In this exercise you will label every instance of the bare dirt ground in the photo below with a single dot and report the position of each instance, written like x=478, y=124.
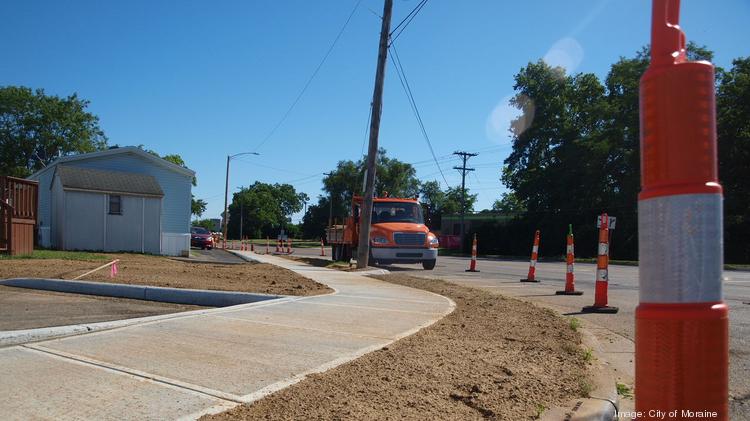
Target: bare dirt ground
x=22, y=308
x=492, y=358
x=165, y=272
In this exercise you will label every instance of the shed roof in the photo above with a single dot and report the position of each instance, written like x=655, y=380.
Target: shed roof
x=115, y=151
x=108, y=181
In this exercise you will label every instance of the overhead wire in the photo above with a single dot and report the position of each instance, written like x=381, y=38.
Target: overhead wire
x=309, y=81
x=407, y=89
x=405, y=22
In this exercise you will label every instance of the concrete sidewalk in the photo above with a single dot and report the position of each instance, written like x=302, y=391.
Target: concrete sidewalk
x=187, y=366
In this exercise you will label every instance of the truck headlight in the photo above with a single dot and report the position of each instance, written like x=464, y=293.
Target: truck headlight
x=434, y=242
x=379, y=240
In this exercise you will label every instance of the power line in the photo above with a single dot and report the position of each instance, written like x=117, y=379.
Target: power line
x=406, y=21
x=309, y=81
x=407, y=89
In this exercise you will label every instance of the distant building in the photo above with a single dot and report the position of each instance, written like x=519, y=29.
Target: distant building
x=120, y=199
x=451, y=224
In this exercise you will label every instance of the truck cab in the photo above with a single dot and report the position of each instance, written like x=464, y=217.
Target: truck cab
x=398, y=233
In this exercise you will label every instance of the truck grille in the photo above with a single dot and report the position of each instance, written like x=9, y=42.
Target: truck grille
x=409, y=239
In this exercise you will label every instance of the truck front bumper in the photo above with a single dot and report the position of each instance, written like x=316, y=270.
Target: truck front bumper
x=403, y=255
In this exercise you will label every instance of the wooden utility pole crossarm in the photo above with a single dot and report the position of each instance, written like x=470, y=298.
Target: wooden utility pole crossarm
x=363, y=248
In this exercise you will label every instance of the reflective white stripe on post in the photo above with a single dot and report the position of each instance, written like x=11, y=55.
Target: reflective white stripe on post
x=533, y=263
x=680, y=245
x=603, y=249
x=570, y=268
x=601, y=275
x=535, y=249
x=570, y=249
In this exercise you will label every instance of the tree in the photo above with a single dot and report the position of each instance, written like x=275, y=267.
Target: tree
x=266, y=208
x=205, y=223
x=733, y=130
x=315, y=220
x=508, y=203
x=580, y=154
x=197, y=206
x=36, y=128
x=434, y=198
x=394, y=177
x=452, y=203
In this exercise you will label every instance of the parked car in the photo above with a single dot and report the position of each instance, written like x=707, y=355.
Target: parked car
x=201, y=238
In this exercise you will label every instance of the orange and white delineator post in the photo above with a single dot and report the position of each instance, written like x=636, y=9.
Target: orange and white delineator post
x=473, y=264
x=570, y=277
x=682, y=322
x=252, y=246
x=289, y=246
x=278, y=245
x=322, y=248
x=531, y=277
x=602, y=271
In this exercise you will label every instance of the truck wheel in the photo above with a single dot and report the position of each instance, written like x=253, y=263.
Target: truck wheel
x=429, y=264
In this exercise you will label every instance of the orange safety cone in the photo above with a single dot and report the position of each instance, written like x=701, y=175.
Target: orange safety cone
x=682, y=321
x=602, y=272
x=322, y=248
x=570, y=284
x=473, y=264
x=532, y=264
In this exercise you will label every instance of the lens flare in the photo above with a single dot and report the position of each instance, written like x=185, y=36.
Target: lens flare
x=510, y=118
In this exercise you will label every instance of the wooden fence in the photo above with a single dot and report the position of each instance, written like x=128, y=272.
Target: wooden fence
x=18, y=214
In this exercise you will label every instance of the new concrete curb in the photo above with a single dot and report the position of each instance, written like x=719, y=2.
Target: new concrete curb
x=196, y=297
x=603, y=401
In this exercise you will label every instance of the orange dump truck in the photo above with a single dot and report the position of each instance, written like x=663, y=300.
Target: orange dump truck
x=397, y=234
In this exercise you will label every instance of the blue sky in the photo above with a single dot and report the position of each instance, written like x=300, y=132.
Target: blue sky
x=207, y=79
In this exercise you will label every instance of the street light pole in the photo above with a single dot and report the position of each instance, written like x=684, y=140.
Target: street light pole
x=226, y=193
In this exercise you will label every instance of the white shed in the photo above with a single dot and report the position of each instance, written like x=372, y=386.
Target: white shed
x=172, y=223
x=105, y=210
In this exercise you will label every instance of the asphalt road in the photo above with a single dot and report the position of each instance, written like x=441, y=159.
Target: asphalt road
x=615, y=331
x=22, y=308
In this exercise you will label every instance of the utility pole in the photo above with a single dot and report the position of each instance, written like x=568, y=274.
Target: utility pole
x=330, y=203
x=363, y=248
x=465, y=156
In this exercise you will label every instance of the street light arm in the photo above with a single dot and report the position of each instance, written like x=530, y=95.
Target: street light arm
x=243, y=153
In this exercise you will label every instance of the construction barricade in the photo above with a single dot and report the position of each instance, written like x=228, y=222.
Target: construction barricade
x=473, y=264
x=602, y=272
x=682, y=322
x=531, y=277
x=570, y=285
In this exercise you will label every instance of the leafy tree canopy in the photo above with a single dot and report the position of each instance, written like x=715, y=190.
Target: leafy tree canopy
x=36, y=128
x=265, y=209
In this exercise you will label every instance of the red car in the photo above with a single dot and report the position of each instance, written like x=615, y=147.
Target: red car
x=201, y=238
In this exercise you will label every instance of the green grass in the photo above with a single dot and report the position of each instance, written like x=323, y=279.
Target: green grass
x=575, y=324
x=586, y=388
x=624, y=391
x=55, y=254
x=539, y=411
x=587, y=355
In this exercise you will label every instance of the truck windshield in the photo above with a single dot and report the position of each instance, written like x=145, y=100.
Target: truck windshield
x=397, y=212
